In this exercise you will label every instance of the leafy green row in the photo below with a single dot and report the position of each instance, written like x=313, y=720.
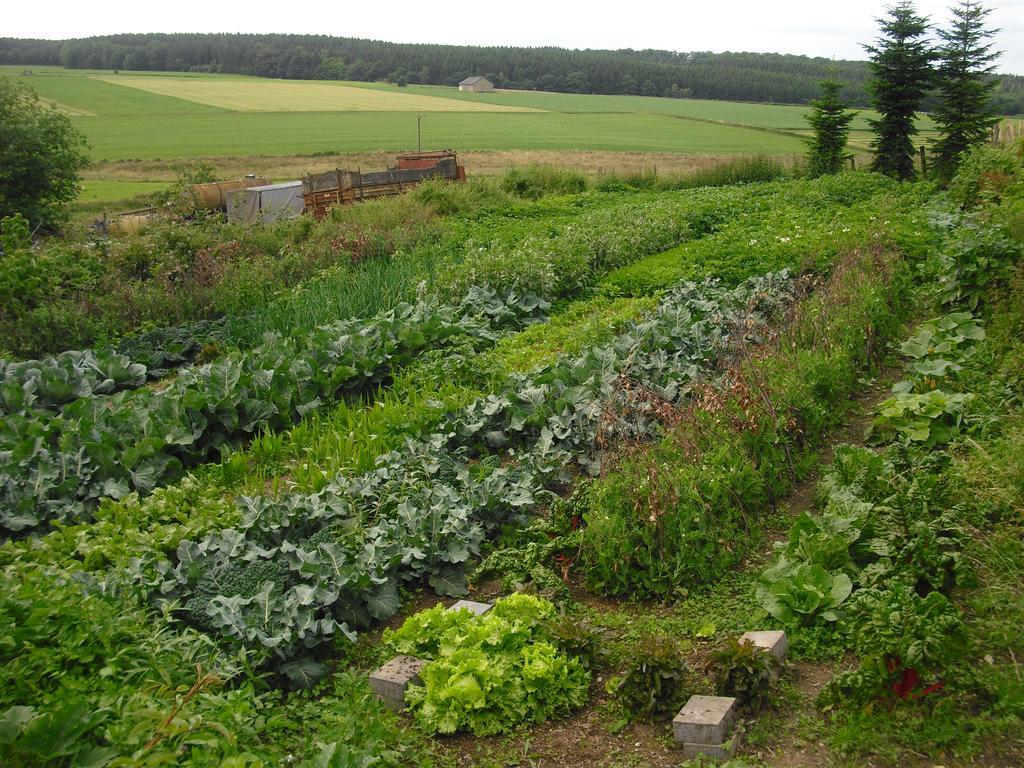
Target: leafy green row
x=882, y=558
x=55, y=381
x=805, y=229
x=875, y=526
x=301, y=568
x=347, y=437
x=58, y=466
x=569, y=260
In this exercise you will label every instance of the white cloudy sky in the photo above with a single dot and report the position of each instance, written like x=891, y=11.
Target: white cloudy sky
x=812, y=27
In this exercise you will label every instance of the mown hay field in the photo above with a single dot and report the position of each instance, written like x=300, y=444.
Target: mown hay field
x=257, y=95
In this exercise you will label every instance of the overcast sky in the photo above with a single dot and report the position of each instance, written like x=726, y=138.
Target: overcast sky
x=810, y=27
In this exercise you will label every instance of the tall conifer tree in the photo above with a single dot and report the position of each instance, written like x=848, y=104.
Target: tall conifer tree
x=901, y=73
x=965, y=114
x=830, y=120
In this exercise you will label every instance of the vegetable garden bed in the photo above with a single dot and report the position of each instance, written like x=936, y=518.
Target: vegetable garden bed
x=641, y=460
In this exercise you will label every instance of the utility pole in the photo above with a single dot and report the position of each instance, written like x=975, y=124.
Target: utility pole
x=419, y=134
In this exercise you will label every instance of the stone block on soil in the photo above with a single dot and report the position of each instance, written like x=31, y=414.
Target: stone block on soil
x=724, y=751
x=774, y=641
x=705, y=720
x=390, y=681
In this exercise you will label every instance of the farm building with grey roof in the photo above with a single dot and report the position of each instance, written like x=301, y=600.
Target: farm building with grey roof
x=477, y=85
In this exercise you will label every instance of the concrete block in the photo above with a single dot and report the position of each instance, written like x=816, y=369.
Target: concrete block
x=705, y=720
x=468, y=605
x=773, y=640
x=390, y=681
x=724, y=751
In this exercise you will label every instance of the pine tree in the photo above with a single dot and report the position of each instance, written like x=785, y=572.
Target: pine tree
x=965, y=114
x=830, y=121
x=901, y=72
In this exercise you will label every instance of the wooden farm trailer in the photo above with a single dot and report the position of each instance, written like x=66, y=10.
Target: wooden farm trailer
x=342, y=187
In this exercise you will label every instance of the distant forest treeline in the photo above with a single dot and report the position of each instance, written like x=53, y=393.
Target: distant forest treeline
x=763, y=77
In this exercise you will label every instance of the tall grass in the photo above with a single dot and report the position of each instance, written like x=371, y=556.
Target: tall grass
x=478, y=194
x=535, y=181
x=341, y=292
x=742, y=170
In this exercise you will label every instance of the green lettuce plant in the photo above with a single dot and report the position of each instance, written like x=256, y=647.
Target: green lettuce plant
x=487, y=674
x=800, y=593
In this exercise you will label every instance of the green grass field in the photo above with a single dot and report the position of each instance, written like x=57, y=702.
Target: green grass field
x=783, y=117
x=99, y=196
x=170, y=116
x=96, y=190
x=148, y=116
x=282, y=133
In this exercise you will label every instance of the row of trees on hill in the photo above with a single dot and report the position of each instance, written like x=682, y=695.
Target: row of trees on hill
x=731, y=76
x=905, y=67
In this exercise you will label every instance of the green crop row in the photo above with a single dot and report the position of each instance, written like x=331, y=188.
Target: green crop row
x=296, y=570
x=305, y=457
x=805, y=229
x=58, y=466
x=347, y=438
x=912, y=558
x=350, y=437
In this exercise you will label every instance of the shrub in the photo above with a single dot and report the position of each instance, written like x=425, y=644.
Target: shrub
x=41, y=153
x=986, y=174
x=14, y=234
x=743, y=170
